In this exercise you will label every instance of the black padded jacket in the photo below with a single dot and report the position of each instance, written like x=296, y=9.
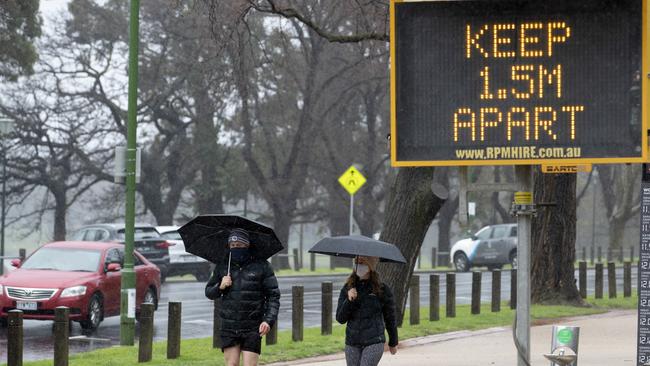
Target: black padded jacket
x=368, y=316
x=254, y=296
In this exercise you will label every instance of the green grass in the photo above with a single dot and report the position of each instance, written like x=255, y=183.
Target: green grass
x=198, y=352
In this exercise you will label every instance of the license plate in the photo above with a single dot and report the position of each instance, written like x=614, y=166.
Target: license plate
x=26, y=305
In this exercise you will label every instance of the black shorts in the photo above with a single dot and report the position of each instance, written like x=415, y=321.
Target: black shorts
x=250, y=342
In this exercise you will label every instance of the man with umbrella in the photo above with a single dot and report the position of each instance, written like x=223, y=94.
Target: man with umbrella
x=250, y=299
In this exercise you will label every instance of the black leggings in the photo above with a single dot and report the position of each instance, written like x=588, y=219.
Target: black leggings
x=364, y=356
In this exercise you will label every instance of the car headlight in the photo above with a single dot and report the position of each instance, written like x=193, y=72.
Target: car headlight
x=74, y=291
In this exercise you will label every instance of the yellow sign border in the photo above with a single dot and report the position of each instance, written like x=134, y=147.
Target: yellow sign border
x=645, y=84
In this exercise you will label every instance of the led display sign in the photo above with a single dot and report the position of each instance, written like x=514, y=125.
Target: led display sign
x=517, y=82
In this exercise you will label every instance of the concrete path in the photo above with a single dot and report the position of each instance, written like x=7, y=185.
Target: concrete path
x=605, y=340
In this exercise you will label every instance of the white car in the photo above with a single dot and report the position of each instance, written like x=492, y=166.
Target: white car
x=180, y=261
x=492, y=246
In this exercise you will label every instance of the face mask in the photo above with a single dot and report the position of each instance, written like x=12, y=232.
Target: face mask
x=239, y=255
x=362, y=270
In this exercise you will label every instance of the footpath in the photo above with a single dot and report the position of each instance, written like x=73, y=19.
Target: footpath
x=605, y=340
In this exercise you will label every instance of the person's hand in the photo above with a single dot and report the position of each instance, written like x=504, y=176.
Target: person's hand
x=352, y=294
x=264, y=328
x=226, y=281
x=393, y=350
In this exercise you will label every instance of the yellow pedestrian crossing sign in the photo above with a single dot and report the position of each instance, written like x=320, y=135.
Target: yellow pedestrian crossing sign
x=352, y=180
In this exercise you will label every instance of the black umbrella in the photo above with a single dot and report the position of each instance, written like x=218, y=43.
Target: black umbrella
x=207, y=237
x=357, y=245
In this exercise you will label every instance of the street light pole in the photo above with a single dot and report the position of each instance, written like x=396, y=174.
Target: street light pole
x=6, y=126
x=127, y=299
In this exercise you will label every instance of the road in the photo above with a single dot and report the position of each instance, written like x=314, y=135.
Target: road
x=197, y=310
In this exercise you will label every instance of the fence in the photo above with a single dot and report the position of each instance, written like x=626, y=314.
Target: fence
x=61, y=329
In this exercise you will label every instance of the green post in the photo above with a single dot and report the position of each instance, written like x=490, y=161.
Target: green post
x=127, y=324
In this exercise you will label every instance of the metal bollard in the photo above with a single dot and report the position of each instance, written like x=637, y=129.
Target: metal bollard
x=600, y=254
x=326, y=312
x=216, y=324
x=582, y=279
x=61, y=335
x=145, y=343
x=513, y=289
x=476, y=293
x=312, y=262
x=599, y=280
x=434, y=297
x=632, y=254
x=451, y=295
x=174, y=330
x=591, y=255
x=564, y=346
x=15, y=338
x=414, y=292
x=611, y=279
x=496, y=290
x=297, y=313
x=627, y=279
x=584, y=254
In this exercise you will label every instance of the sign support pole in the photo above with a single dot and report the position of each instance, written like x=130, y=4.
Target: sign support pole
x=351, y=213
x=127, y=307
x=524, y=223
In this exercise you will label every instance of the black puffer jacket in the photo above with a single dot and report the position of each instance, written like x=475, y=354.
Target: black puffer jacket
x=254, y=296
x=367, y=316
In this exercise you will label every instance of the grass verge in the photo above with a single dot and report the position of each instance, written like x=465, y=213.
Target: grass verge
x=199, y=352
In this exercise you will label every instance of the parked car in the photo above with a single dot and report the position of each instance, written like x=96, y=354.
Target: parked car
x=84, y=276
x=492, y=246
x=180, y=261
x=147, y=241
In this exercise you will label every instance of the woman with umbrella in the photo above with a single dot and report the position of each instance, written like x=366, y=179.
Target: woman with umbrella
x=365, y=304
x=368, y=307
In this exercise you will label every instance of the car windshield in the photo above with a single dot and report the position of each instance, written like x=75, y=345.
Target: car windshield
x=484, y=233
x=140, y=233
x=172, y=235
x=63, y=259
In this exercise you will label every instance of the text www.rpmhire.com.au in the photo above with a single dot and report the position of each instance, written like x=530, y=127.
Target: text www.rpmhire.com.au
x=519, y=152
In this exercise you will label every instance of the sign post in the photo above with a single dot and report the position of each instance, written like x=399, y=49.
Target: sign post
x=352, y=180
x=554, y=83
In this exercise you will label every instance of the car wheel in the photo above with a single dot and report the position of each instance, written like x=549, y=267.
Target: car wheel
x=461, y=263
x=95, y=314
x=202, y=276
x=149, y=297
x=513, y=260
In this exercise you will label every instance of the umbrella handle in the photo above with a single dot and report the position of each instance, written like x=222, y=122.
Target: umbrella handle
x=229, y=256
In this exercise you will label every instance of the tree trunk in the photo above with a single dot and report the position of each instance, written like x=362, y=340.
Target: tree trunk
x=410, y=210
x=209, y=196
x=339, y=224
x=617, y=231
x=445, y=219
x=60, y=212
x=281, y=226
x=553, y=240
